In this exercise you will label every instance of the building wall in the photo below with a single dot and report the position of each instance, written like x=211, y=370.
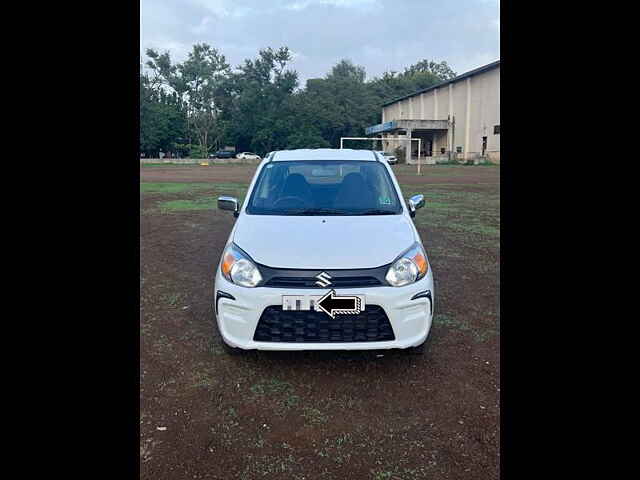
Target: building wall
x=459, y=96
x=481, y=92
x=485, y=111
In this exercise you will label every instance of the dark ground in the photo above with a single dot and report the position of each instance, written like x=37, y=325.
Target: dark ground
x=329, y=415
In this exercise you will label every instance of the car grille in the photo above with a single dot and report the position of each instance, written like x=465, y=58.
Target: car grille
x=276, y=325
x=310, y=282
x=310, y=278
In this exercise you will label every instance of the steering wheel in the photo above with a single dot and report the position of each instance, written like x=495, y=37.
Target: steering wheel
x=302, y=202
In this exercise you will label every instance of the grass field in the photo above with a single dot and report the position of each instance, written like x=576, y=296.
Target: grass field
x=329, y=415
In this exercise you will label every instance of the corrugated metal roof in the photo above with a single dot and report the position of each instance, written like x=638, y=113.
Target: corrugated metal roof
x=323, y=154
x=470, y=73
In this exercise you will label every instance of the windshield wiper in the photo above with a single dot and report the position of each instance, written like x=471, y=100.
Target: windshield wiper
x=376, y=211
x=317, y=211
x=333, y=211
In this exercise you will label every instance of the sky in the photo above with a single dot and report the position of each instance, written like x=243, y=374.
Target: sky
x=380, y=35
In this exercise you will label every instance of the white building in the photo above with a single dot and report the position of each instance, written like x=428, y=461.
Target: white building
x=461, y=116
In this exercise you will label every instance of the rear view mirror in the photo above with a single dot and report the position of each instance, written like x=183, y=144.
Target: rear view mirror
x=229, y=203
x=324, y=172
x=415, y=202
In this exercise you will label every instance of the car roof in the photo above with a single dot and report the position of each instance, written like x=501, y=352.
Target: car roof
x=323, y=154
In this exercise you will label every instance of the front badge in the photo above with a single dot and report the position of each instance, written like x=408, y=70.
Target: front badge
x=324, y=279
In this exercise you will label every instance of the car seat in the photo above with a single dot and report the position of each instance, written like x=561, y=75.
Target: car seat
x=354, y=193
x=296, y=186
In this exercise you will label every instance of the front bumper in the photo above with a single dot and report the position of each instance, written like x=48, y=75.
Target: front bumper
x=237, y=318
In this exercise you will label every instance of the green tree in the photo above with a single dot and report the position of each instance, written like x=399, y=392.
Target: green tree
x=161, y=121
x=201, y=101
x=198, y=85
x=441, y=70
x=258, y=104
x=423, y=74
x=338, y=105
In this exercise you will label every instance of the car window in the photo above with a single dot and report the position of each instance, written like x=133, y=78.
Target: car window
x=324, y=188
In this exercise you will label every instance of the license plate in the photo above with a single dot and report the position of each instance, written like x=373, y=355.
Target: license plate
x=308, y=302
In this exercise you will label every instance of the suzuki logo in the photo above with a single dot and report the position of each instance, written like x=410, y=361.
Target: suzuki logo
x=323, y=279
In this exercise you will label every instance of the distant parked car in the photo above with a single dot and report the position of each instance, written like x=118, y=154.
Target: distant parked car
x=391, y=159
x=224, y=154
x=248, y=156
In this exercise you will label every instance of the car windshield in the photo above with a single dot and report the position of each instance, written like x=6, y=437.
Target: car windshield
x=317, y=187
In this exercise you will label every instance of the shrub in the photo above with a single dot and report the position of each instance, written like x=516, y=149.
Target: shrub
x=196, y=151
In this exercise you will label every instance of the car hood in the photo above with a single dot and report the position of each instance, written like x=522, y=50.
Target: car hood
x=324, y=242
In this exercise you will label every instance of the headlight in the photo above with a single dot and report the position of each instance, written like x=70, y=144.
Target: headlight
x=238, y=268
x=410, y=267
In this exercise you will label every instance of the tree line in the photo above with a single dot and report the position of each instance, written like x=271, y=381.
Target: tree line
x=201, y=105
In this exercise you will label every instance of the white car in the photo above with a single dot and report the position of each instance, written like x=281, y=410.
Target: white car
x=388, y=157
x=248, y=156
x=323, y=255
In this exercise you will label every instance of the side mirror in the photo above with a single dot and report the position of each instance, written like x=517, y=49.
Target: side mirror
x=415, y=202
x=229, y=203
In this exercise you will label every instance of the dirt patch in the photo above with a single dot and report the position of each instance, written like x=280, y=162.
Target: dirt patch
x=328, y=415
x=198, y=173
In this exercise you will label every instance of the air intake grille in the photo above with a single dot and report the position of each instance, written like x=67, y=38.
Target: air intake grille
x=309, y=278
x=311, y=282
x=276, y=325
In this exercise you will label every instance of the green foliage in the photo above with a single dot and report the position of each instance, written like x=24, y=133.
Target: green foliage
x=307, y=138
x=392, y=85
x=161, y=119
x=258, y=106
x=203, y=203
x=172, y=187
x=197, y=151
x=339, y=105
x=440, y=70
x=197, y=86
